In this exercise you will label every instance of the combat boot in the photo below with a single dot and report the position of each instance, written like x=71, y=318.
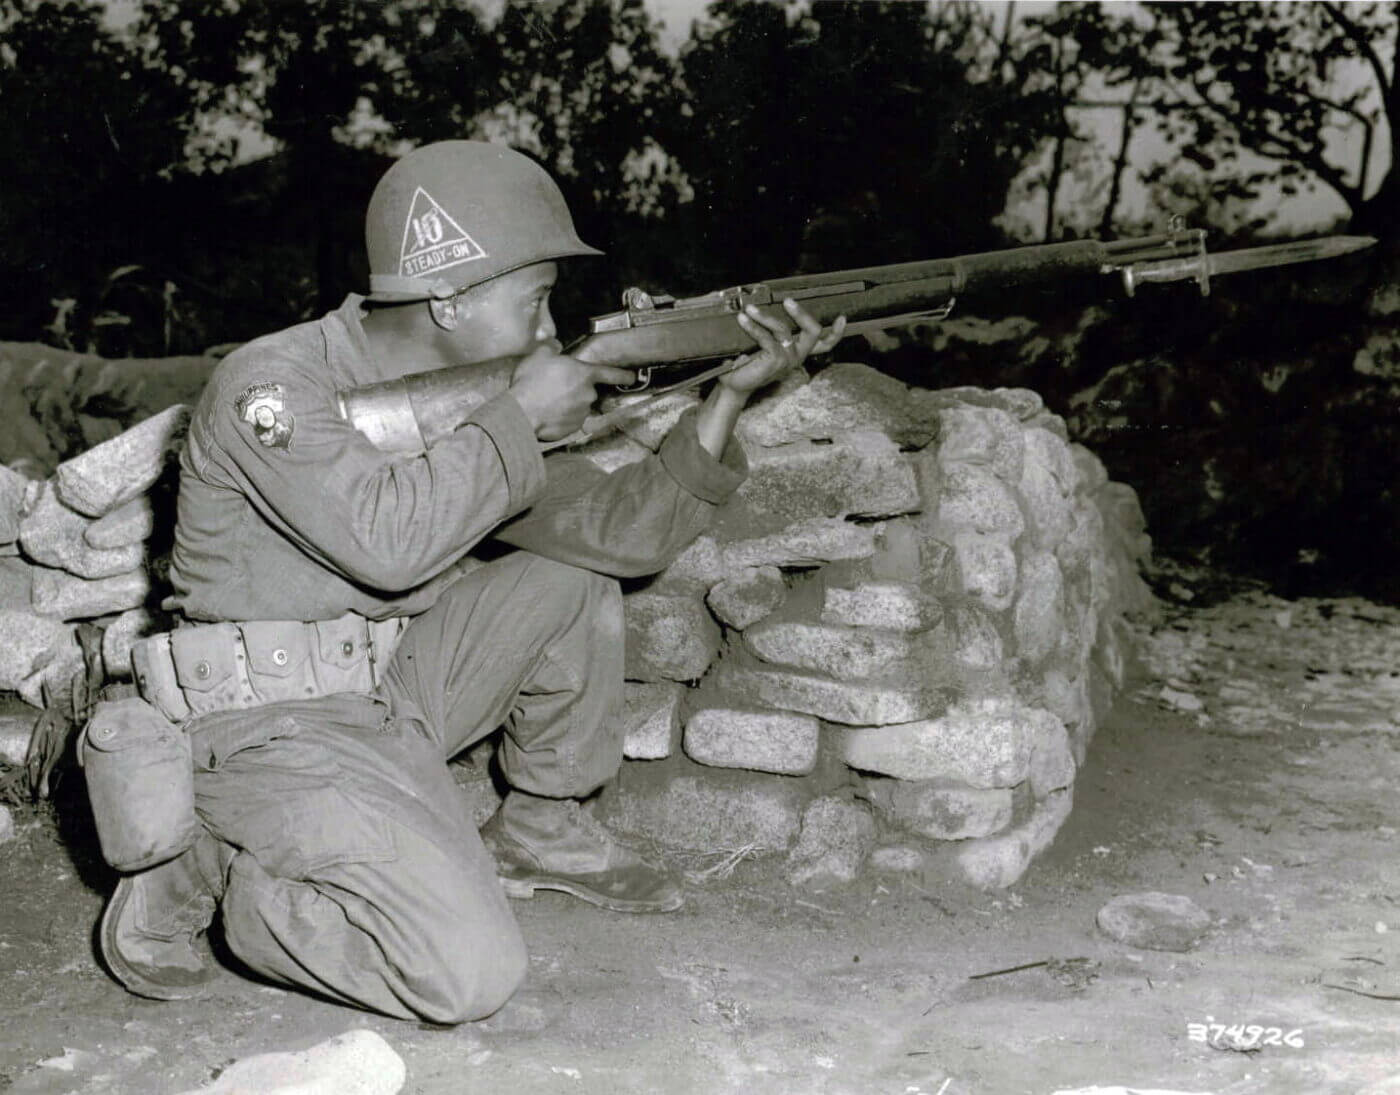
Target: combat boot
x=553, y=844
x=150, y=929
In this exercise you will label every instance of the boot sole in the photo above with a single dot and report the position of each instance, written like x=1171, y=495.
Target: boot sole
x=524, y=888
x=132, y=979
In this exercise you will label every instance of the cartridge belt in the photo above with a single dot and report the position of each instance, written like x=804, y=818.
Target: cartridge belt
x=201, y=668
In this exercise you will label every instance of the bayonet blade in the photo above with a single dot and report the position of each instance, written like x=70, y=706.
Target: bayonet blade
x=1285, y=254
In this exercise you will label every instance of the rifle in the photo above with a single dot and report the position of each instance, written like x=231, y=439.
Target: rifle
x=658, y=332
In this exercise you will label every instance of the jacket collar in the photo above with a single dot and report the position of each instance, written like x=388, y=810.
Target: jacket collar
x=347, y=349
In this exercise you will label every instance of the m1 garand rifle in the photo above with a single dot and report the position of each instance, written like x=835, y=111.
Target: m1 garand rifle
x=662, y=337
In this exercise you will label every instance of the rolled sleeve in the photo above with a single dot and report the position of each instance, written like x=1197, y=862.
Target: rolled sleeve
x=695, y=470
x=502, y=420
x=636, y=519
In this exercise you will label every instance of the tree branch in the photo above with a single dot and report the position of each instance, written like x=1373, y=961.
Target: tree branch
x=1290, y=148
x=1279, y=147
x=1004, y=45
x=1120, y=163
x=1362, y=43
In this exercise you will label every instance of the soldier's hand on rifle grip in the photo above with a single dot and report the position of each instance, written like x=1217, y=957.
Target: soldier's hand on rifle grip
x=556, y=391
x=779, y=348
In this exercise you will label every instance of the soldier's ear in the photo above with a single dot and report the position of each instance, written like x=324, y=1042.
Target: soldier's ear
x=444, y=313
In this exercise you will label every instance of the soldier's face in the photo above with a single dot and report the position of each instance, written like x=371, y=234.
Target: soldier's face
x=507, y=315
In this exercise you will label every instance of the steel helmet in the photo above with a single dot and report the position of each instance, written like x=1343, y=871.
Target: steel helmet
x=453, y=214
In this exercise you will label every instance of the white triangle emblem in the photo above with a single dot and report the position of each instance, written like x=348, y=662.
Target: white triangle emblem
x=432, y=240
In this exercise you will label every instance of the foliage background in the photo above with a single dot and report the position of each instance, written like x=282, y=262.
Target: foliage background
x=184, y=174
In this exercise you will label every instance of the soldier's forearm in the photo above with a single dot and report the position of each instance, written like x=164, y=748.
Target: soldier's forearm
x=715, y=421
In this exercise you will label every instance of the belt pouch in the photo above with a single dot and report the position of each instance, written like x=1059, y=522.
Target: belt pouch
x=140, y=781
x=155, y=676
x=341, y=661
x=206, y=658
x=278, y=666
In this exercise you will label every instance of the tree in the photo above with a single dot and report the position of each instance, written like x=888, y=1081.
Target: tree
x=585, y=88
x=1256, y=94
x=340, y=86
x=332, y=85
x=87, y=126
x=848, y=133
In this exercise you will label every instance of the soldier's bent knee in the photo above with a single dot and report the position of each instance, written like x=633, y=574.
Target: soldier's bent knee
x=474, y=990
x=573, y=590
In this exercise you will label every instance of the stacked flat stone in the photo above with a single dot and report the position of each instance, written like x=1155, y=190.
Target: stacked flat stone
x=75, y=547
x=56, y=403
x=906, y=624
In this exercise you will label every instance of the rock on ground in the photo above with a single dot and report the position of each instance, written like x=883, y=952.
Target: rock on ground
x=358, y=1062
x=1155, y=921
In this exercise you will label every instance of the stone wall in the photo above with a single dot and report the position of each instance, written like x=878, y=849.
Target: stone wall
x=85, y=545
x=896, y=642
x=892, y=648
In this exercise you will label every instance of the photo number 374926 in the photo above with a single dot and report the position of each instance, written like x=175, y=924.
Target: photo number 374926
x=1242, y=1037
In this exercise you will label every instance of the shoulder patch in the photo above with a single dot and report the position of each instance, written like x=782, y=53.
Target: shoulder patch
x=261, y=406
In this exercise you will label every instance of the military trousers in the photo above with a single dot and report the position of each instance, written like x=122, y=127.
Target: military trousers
x=359, y=873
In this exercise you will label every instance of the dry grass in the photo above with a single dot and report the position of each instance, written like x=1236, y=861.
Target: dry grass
x=721, y=866
x=14, y=786
x=698, y=866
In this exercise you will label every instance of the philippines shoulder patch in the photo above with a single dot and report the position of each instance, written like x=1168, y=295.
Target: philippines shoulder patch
x=262, y=407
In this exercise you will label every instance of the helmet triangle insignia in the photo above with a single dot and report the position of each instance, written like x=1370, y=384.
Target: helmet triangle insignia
x=432, y=240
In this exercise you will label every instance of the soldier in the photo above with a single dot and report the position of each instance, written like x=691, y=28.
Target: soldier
x=338, y=646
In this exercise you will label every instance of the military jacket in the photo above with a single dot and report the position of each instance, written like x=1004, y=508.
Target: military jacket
x=287, y=512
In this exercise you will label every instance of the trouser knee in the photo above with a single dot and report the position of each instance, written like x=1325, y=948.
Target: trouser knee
x=428, y=935
x=471, y=990
x=576, y=592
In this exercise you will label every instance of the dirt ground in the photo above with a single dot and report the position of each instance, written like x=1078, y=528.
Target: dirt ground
x=1252, y=765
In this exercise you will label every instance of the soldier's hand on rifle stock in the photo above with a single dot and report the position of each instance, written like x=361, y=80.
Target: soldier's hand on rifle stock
x=779, y=347
x=556, y=391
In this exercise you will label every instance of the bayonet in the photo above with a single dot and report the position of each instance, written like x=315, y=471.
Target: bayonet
x=1201, y=266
